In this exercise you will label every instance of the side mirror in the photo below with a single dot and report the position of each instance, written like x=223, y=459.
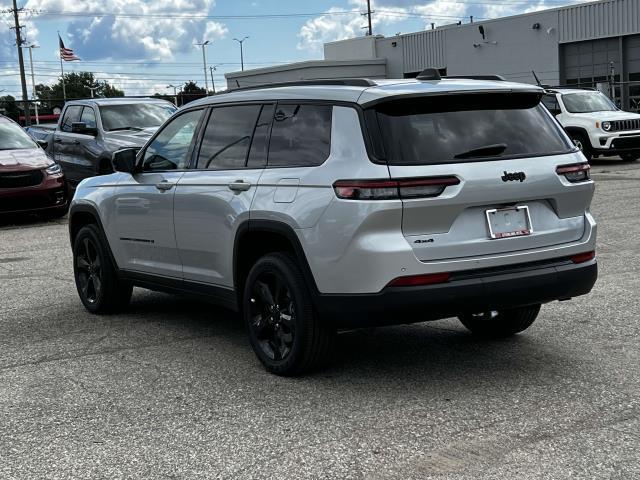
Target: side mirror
x=43, y=143
x=81, y=128
x=124, y=160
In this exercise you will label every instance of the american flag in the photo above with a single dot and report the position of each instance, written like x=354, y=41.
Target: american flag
x=66, y=54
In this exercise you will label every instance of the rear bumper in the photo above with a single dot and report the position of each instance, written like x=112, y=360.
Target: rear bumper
x=469, y=291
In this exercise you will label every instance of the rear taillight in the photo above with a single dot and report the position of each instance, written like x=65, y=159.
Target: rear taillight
x=415, y=280
x=406, y=188
x=577, y=172
x=583, y=257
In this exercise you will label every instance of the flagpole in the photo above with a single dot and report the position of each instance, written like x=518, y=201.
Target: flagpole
x=64, y=89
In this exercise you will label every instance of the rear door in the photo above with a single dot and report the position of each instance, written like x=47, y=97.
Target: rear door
x=480, y=174
x=214, y=197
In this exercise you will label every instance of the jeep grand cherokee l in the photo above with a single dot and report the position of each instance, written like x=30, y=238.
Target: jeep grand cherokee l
x=338, y=204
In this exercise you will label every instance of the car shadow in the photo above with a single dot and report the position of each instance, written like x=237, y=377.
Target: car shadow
x=28, y=220
x=436, y=352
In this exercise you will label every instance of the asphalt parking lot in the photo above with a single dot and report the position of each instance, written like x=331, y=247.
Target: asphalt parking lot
x=171, y=389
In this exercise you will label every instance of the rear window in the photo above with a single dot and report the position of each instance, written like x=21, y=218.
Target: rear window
x=451, y=129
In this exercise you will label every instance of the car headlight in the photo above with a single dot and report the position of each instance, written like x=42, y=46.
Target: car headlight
x=53, y=169
x=606, y=126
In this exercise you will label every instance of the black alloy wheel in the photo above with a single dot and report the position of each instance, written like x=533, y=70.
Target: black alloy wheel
x=89, y=270
x=284, y=329
x=273, y=317
x=97, y=282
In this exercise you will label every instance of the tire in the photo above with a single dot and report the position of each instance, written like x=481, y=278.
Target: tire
x=284, y=329
x=97, y=282
x=630, y=157
x=500, y=324
x=582, y=142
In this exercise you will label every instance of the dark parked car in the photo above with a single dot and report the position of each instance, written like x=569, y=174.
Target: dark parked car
x=29, y=180
x=89, y=131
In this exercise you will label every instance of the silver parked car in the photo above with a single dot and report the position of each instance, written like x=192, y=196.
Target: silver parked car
x=323, y=205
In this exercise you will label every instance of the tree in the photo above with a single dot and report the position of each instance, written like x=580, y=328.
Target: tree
x=190, y=92
x=9, y=107
x=77, y=86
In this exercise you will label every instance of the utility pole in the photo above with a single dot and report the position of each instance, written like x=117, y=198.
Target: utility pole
x=23, y=80
x=369, y=17
x=33, y=81
x=204, y=62
x=213, y=83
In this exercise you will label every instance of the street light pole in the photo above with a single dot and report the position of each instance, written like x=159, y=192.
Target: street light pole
x=33, y=81
x=204, y=62
x=175, y=93
x=241, y=51
x=93, y=88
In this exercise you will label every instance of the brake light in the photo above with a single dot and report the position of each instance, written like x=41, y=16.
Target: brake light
x=415, y=280
x=583, y=257
x=393, y=189
x=577, y=172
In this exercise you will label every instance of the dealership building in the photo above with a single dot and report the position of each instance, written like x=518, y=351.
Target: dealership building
x=593, y=44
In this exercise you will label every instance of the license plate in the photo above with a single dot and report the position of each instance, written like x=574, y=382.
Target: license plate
x=509, y=222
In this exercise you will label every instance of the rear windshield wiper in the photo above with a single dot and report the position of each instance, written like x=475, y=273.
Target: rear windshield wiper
x=486, y=151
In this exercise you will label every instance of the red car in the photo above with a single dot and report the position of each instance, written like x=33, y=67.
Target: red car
x=29, y=180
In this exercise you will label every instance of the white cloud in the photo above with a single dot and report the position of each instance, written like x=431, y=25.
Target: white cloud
x=171, y=32
x=327, y=28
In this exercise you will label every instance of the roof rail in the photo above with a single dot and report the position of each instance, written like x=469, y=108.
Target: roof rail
x=498, y=78
x=346, y=82
x=569, y=87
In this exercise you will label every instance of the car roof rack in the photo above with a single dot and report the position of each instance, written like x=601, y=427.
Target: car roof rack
x=568, y=87
x=345, y=82
x=498, y=78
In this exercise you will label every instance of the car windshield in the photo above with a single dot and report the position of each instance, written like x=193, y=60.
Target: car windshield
x=466, y=127
x=134, y=116
x=12, y=137
x=587, y=102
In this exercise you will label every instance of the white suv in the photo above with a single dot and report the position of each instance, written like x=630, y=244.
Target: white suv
x=594, y=123
x=336, y=204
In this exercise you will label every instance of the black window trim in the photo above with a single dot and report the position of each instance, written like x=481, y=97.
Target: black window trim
x=196, y=136
x=192, y=165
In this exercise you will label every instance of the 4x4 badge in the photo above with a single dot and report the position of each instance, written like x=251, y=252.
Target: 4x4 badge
x=511, y=177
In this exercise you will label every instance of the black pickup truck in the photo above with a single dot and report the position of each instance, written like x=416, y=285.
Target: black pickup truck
x=89, y=131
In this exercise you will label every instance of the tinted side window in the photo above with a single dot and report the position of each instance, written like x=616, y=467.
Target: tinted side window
x=301, y=135
x=88, y=117
x=71, y=114
x=551, y=102
x=260, y=144
x=170, y=149
x=226, y=140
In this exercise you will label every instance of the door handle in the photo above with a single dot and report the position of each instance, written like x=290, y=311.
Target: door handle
x=164, y=185
x=239, y=186
x=58, y=140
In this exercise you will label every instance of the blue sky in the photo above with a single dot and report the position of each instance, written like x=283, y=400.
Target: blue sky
x=149, y=43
